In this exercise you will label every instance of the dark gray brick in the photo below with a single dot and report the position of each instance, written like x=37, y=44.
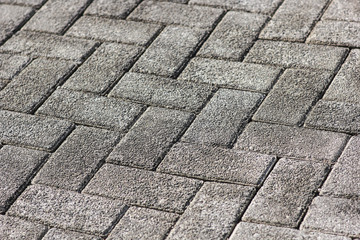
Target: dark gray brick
x=17, y=167
x=164, y=92
x=233, y=36
x=151, y=136
x=11, y=64
x=33, y=85
x=67, y=209
x=145, y=188
x=213, y=212
x=143, y=224
x=217, y=163
x=170, y=51
x=291, y=141
x=222, y=118
x=34, y=131
x=106, y=29
x=347, y=10
x=337, y=215
x=286, y=193
x=57, y=234
x=112, y=8
x=292, y=96
x=173, y=13
x=298, y=55
x=77, y=158
x=14, y=229
x=246, y=76
x=90, y=109
x=103, y=68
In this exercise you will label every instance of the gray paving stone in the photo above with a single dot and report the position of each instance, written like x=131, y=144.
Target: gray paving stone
x=221, y=119
x=150, y=138
x=246, y=76
x=217, y=163
x=170, y=51
x=103, y=67
x=34, y=3
x=337, y=215
x=335, y=116
x=291, y=141
x=112, y=8
x=11, y=64
x=3, y=83
x=173, y=13
x=164, y=92
x=17, y=167
x=90, y=109
x=233, y=36
x=77, y=158
x=336, y=33
x=57, y=234
x=297, y=55
x=286, y=193
x=106, y=29
x=293, y=20
x=55, y=16
x=14, y=229
x=42, y=44
x=145, y=188
x=33, y=85
x=252, y=231
x=292, y=96
x=347, y=10
x=345, y=87
x=143, y=224
x=213, y=212
x=67, y=209
x=33, y=131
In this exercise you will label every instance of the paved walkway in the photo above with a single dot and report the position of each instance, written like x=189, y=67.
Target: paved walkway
x=180, y=119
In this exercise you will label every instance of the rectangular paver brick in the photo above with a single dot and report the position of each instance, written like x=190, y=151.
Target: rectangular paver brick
x=291, y=141
x=145, y=188
x=57, y=234
x=14, y=229
x=347, y=10
x=213, y=212
x=67, y=209
x=11, y=65
x=112, y=8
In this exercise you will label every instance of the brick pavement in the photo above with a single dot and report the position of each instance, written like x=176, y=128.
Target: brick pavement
x=180, y=119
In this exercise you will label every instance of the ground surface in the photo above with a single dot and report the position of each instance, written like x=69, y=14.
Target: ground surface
x=180, y=119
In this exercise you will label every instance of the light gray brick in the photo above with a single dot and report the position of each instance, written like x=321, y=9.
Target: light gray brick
x=90, y=109
x=33, y=85
x=297, y=55
x=106, y=29
x=143, y=224
x=103, y=67
x=286, y=193
x=245, y=76
x=57, y=234
x=144, y=188
x=14, y=229
x=213, y=212
x=11, y=64
x=67, y=209
x=34, y=3
x=77, y=158
x=170, y=51
x=17, y=167
x=226, y=113
x=337, y=215
x=233, y=36
x=291, y=141
x=164, y=92
x=33, y=131
x=347, y=10
x=112, y=8
x=292, y=96
x=173, y=13
x=217, y=163
x=149, y=139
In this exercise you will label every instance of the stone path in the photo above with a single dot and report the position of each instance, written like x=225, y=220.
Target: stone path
x=180, y=119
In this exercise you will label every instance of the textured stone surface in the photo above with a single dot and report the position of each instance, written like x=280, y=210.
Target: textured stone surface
x=90, y=109
x=57, y=234
x=11, y=64
x=292, y=96
x=213, y=212
x=112, y=8
x=217, y=163
x=222, y=118
x=347, y=10
x=145, y=188
x=291, y=141
x=34, y=3
x=67, y=209
x=143, y=224
x=245, y=76
x=14, y=229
